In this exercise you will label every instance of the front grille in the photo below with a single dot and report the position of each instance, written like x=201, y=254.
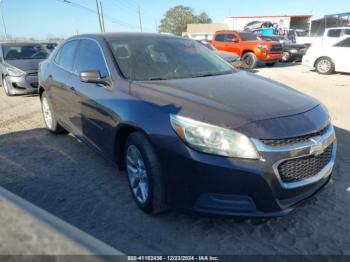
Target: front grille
x=305, y=167
x=294, y=140
x=276, y=48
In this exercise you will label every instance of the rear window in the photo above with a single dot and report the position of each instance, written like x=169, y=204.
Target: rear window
x=246, y=36
x=27, y=51
x=66, y=55
x=334, y=33
x=220, y=38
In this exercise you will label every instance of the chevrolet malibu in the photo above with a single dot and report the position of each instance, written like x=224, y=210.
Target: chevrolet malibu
x=190, y=131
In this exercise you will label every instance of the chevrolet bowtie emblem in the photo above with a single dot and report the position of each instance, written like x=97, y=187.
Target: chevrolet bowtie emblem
x=317, y=148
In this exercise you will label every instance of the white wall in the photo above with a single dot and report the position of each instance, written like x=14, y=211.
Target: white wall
x=238, y=23
x=200, y=36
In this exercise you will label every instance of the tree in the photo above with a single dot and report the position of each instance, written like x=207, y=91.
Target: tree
x=176, y=19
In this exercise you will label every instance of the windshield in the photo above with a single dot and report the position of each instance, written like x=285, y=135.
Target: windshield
x=207, y=45
x=246, y=36
x=27, y=51
x=166, y=58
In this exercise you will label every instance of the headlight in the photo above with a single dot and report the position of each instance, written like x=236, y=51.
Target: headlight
x=263, y=46
x=12, y=71
x=213, y=139
x=294, y=51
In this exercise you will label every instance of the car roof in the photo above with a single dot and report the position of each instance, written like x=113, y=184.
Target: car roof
x=126, y=35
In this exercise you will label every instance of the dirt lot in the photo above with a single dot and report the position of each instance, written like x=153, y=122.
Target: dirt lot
x=63, y=176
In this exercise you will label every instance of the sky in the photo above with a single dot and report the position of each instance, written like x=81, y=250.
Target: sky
x=43, y=18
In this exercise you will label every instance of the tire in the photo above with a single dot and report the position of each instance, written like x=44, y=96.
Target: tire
x=5, y=85
x=249, y=60
x=270, y=64
x=144, y=173
x=324, y=66
x=286, y=57
x=49, y=116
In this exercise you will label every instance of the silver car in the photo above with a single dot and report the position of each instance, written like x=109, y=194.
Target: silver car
x=19, y=64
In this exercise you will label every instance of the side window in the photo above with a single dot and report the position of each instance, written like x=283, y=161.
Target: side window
x=347, y=32
x=219, y=38
x=65, y=56
x=334, y=33
x=344, y=43
x=230, y=38
x=90, y=58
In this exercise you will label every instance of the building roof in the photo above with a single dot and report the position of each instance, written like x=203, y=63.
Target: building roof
x=205, y=28
x=267, y=16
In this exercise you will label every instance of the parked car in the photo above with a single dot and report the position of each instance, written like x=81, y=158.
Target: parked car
x=329, y=37
x=255, y=25
x=249, y=47
x=231, y=58
x=19, y=66
x=190, y=130
x=291, y=51
x=327, y=59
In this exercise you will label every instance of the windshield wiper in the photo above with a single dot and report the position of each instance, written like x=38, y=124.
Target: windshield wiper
x=157, y=78
x=212, y=74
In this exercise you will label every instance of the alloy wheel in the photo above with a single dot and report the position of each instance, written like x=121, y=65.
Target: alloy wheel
x=324, y=66
x=137, y=174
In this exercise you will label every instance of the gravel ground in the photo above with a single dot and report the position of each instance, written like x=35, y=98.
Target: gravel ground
x=63, y=176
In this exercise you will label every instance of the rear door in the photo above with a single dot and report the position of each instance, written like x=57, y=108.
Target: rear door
x=60, y=83
x=219, y=41
x=232, y=44
x=341, y=55
x=95, y=119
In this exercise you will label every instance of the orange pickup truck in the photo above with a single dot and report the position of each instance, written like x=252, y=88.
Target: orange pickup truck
x=249, y=47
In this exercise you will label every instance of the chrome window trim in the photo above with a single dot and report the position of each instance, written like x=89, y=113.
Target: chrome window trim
x=299, y=151
x=79, y=39
x=326, y=138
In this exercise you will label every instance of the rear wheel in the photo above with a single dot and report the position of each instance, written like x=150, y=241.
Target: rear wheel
x=49, y=116
x=324, y=66
x=6, y=87
x=249, y=60
x=144, y=174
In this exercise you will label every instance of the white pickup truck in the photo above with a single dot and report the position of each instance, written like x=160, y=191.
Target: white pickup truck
x=330, y=36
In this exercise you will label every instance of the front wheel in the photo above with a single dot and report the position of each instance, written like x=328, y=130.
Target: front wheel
x=249, y=60
x=324, y=66
x=286, y=57
x=49, y=116
x=144, y=174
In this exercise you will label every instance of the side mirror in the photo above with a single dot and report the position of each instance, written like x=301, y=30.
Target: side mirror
x=93, y=77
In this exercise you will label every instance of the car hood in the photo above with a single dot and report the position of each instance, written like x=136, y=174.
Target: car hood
x=231, y=100
x=25, y=64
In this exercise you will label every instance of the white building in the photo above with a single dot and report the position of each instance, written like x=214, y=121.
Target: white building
x=283, y=21
x=203, y=31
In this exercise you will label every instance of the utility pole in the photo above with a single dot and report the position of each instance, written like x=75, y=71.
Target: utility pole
x=139, y=9
x=99, y=15
x=2, y=17
x=102, y=18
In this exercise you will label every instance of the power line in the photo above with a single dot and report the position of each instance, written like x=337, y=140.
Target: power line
x=2, y=17
x=110, y=18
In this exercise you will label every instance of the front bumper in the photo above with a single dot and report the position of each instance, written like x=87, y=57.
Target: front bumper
x=236, y=187
x=27, y=84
